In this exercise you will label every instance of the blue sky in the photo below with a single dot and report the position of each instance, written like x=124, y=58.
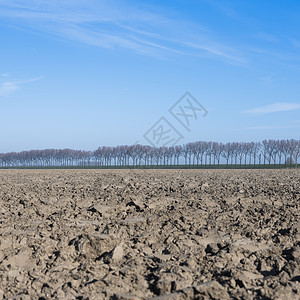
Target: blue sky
x=85, y=73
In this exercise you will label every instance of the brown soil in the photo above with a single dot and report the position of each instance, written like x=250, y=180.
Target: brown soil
x=161, y=234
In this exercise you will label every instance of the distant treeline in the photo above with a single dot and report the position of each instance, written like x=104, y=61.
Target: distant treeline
x=267, y=152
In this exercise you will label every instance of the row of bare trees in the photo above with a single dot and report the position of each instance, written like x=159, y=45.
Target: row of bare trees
x=267, y=152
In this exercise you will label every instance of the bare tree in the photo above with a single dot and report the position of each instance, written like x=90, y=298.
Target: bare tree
x=295, y=145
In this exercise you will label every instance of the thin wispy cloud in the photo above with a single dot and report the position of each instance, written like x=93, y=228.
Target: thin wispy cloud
x=117, y=24
x=225, y=7
x=7, y=87
x=229, y=9
x=275, y=107
x=295, y=43
x=266, y=37
x=267, y=78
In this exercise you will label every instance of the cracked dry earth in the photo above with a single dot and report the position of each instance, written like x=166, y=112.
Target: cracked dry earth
x=149, y=234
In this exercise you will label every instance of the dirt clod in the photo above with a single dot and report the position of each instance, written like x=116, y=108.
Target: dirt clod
x=149, y=234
